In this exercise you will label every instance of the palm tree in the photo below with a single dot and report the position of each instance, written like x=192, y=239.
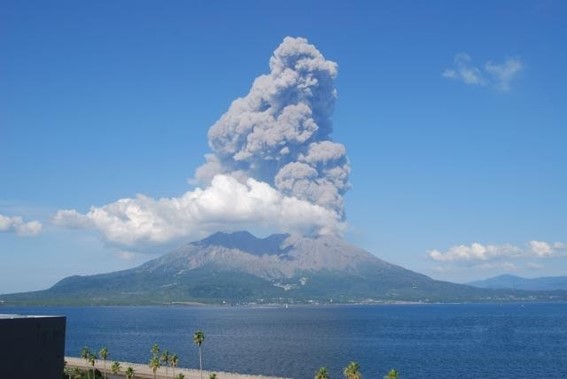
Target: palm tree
x=392, y=374
x=155, y=350
x=92, y=361
x=323, y=373
x=85, y=353
x=165, y=357
x=154, y=364
x=352, y=371
x=129, y=372
x=115, y=368
x=103, y=354
x=198, y=339
x=173, y=361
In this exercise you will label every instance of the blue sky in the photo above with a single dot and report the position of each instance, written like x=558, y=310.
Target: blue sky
x=452, y=115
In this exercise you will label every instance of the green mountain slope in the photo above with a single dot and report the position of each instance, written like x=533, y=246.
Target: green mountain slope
x=239, y=268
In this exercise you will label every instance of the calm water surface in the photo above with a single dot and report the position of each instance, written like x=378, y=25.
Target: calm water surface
x=420, y=341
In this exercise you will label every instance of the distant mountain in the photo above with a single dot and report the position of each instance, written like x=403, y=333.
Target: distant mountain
x=507, y=281
x=239, y=268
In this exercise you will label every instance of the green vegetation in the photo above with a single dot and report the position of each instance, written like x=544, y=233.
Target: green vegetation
x=103, y=354
x=115, y=368
x=352, y=371
x=149, y=284
x=198, y=339
x=173, y=361
x=322, y=373
x=392, y=374
x=167, y=359
x=92, y=361
x=155, y=359
x=154, y=365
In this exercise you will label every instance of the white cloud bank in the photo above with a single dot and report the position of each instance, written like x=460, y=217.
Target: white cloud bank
x=225, y=204
x=16, y=224
x=498, y=76
x=479, y=253
x=272, y=166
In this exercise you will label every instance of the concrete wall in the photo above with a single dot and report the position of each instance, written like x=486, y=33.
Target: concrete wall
x=32, y=347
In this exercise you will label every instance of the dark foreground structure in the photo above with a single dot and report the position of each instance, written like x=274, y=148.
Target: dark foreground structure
x=32, y=346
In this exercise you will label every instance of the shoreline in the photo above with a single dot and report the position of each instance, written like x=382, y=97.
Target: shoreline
x=144, y=371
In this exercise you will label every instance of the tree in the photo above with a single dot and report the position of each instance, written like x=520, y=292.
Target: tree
x=155, y=350
x=129, y=372
x=180, y=376
x=173, y=361
x=85, y=353
x=66, y=370
x=165, y=358
x=115, y=368
x=75, y=373
x=213, y=376
x=103, y=354
x=352, y=371
x=392, y=374
x=154, y=364
x=92, y=361
x=323, y=373
x=198, y=339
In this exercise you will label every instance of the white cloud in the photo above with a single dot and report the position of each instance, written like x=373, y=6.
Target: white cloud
x=498, y=76
x=478, y=253
x=504, y=73
x=474, y=252
x=16, y=224
x=272, y=166
x=540, y=248
x=225, y=204
x=465, y=71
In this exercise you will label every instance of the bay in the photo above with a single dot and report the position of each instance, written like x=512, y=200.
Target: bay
x=420, y=341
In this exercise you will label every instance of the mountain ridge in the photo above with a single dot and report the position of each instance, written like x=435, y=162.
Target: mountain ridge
x=509, y=281
x=280, y=268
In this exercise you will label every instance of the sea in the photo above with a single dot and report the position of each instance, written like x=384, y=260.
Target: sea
x=418, y=340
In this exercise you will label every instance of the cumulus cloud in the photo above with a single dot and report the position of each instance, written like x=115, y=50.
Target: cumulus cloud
x=477, y=252
x=272, y=165
x=498, y=76
x=16, y=224
x=474, y=252
x=225, y=204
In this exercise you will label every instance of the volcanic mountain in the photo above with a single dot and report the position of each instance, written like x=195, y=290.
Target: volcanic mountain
x=239, y=268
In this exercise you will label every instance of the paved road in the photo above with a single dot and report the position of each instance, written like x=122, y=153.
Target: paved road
x=145, y=372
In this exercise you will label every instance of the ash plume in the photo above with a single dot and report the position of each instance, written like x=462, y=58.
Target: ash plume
x=273, y=165
x=279, y=132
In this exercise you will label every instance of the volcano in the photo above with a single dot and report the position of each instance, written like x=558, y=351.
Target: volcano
x=239, y=268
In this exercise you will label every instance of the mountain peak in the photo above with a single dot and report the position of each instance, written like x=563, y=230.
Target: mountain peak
x=245, y=241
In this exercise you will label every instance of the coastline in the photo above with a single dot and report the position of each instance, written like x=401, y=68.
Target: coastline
x=145, y=372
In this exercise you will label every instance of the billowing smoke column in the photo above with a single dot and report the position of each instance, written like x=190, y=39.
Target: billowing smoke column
x=273, y=166
x=279, y=132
